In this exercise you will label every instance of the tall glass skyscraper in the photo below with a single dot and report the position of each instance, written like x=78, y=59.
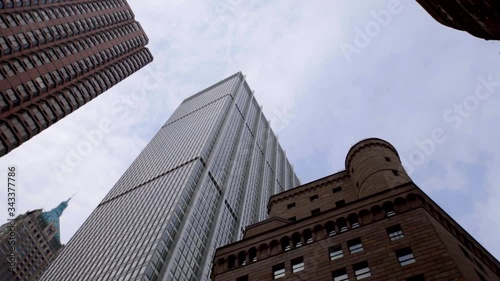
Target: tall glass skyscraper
x=207, y=174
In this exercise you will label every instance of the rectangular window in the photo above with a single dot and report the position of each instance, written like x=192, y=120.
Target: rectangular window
x=340, y=275
x=395, y=232
x=387, y=159
x=23, y=92
x=405, y=256
x=361, y=270
x=242, y=278
x=395, y=172
x=279, y=271
x=313, y=198
x=315, y=212
x=27, y=62
x=355, y=245
x=3, y=24
x=13, y=42
x=32, y=37
x=419, y=277
x=40, y=36
x=335, y=252
x=41, y=84
x=479, y=265
x=10, y=20
x=465, y=252
x=293, y=219
x=481, y=277
x=32, y=88
x=337, y=189
x=43, y=57
x=297, y=264
x=9, y=71
x=340, y=203
x=36, y=59
x=291, y=205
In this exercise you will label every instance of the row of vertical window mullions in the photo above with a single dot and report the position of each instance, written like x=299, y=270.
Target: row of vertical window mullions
x=200, y=219
x=50, y=34
x=64, y=99
x=138, y=233
x=46, y=14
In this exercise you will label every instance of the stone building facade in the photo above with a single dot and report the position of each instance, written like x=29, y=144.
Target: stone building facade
x=369, y=221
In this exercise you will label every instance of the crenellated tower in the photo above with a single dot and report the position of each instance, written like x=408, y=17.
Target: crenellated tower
x=374, y=166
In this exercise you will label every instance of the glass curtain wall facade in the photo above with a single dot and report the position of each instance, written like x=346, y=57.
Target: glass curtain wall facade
x=205, y=176
x=56, y=55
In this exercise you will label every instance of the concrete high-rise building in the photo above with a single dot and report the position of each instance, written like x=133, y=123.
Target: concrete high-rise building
x=479, y=18
x=55, y=56
x=206, y=174
x=368, y=221
x=35, y=236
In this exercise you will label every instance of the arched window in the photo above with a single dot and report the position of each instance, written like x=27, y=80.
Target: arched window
x=252, y=253
x=318, y=232
x=285, y=244
x=242, y=258
x=353, y=220
x=274, y=247
x=377, y=213
x=308, y=237
x=389, y=209
x=330, y=228
x=296, y=240
x=263, y=251
x=342, y=224
x=365, y=216
x=231, y=261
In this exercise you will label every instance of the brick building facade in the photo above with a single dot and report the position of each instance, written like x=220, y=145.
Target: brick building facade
x=479, y=18
x=368, y=221
x=58, y=55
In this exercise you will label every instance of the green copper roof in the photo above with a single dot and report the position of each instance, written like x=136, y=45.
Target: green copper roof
x=53, y=215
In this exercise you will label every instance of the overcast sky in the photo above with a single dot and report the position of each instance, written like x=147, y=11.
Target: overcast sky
x=328, y=74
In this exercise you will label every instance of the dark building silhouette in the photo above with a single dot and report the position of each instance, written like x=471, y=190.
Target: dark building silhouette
x=37, y=244
x=479, y=18
x=368, y=221
x=55, y=56
x=207, y=173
